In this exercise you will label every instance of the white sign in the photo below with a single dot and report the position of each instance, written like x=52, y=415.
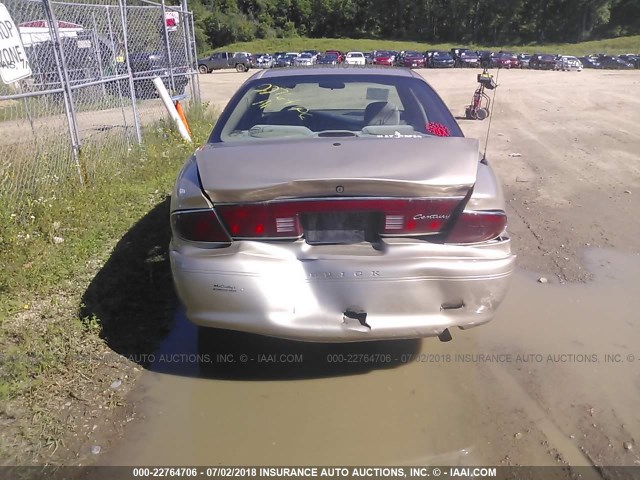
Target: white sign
x=14, y=64
x=171, y=21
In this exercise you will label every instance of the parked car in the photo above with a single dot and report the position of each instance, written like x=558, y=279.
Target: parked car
x=354, y=58
x=287, y=60
x=631, y=58
x=524, y=59
x=467, y=59
x=611, y=62
x=439, y=59
x=486, y=58
x=464, y=57
x=314, y=54
x=368, y=58
x=542, y=61
x=337, y=53
x=505, y=60
x=589, y=62
x=222, y=60
x=328, y=59
x=383, y=57
x=147, y=65
x=380, y=222
x=87, y=57
x=304, y=60
x=263, y=60
x=410, y=59
x=568, y=63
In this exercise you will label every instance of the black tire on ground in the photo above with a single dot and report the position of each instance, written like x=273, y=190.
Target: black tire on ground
x=468, y=113
x=482, y=113
x=240, y=67
x=203, y=69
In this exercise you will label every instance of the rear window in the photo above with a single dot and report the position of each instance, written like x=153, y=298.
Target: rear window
x=334, y=105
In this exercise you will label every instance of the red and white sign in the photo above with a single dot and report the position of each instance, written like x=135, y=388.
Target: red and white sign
x=171, y=21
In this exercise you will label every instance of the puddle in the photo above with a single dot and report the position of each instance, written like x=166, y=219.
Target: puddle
x=525, y=389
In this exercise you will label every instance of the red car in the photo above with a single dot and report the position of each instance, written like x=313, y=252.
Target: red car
x=411, y=60
x=506, y=60
x=338, y=54
x=384, y=58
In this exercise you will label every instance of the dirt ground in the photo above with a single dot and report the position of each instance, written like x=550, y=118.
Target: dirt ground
x=553, y=380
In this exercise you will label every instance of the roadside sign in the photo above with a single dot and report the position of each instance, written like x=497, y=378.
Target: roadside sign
x=171, y=21
x=14, y=64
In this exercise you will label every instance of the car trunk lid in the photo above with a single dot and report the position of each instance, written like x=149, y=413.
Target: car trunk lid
x=267, y=170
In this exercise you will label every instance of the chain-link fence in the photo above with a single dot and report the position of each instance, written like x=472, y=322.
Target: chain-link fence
x=91, y=89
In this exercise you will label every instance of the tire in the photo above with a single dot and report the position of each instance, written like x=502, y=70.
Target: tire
x=470, y=113
x=482, y=113
x=241, y=68
x=203, y=69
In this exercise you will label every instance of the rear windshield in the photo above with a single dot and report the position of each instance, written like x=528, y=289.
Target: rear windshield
x=334, y=105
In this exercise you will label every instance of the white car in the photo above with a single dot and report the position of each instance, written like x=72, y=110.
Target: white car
x=355, y=58
x=567, y=63
x=304, y=60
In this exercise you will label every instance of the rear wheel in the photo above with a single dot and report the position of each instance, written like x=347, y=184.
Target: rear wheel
x=482, y=113
x=203, y=69
x=240, y=67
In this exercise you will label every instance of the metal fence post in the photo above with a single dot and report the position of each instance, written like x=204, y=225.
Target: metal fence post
x=67, y=94
x=195, y=56
x=132, y=89
x=186, y=21
x=98, y=53
x=185, y=33
x=118, y=83
x=167, y=45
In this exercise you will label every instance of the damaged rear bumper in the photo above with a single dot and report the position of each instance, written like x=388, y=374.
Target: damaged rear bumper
x=319, y=293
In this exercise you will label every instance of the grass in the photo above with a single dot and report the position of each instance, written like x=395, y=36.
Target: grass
x=295, y=44
x=69, y=261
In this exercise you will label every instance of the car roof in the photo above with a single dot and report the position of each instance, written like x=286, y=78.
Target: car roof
x=346, y=70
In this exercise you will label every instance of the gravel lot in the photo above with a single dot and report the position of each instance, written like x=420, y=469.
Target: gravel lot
x=553, y=380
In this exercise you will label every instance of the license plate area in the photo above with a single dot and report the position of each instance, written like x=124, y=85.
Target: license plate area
x=340, y=227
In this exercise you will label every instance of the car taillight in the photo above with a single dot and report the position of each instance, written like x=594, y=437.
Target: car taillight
x=199, y=226
x=474, y=227
x=280, y=220
x=259, y=220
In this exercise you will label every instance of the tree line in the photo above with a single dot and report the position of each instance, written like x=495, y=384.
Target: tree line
x=490, y=22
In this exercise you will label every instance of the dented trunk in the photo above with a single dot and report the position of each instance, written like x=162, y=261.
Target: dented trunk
x=425, y=167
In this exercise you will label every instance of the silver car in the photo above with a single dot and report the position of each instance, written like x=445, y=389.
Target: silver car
x=338, y=205
x=304, y=60
x=568, y=63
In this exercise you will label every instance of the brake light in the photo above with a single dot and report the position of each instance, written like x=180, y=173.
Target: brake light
x=474, y=227
x=199, y=226
x=282, y=220
x=398, y=216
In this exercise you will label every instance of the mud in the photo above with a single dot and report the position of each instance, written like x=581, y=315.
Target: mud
x=550, y=381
